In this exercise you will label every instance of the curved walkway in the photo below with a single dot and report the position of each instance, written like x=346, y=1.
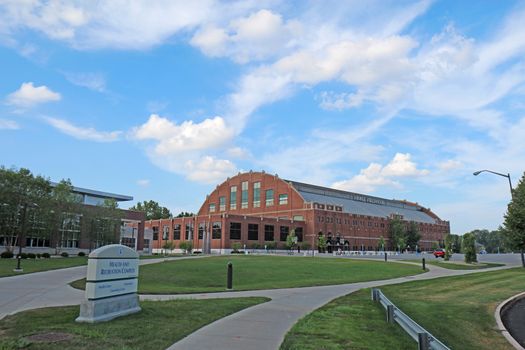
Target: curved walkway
x=262, y=326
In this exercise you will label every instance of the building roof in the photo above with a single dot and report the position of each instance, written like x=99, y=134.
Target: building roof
x=99, y=194
x=361, y=204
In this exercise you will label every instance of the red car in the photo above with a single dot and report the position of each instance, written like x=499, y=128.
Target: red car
x=439, y=253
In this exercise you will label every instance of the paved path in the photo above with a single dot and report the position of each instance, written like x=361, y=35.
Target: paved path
x=259, y=327
x=44, y=289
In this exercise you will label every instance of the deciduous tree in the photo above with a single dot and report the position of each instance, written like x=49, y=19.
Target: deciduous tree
x=514, y=224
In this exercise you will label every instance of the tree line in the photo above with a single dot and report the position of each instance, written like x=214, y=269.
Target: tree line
x=31, y=206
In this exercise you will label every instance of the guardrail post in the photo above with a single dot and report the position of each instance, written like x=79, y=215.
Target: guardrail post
x=386, y=257
x=423, y=341
x=423, y=262
x=374, y=294
x=390, y=313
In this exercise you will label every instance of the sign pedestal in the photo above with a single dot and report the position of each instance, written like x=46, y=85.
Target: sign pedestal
x=111, y=284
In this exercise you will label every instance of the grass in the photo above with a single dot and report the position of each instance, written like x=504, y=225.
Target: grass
x=37, y=265
x=157, y=326
x=260, y=272
x=458, y=310
x=458, y=266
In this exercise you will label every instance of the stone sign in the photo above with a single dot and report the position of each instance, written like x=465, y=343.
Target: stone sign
x=111, y=284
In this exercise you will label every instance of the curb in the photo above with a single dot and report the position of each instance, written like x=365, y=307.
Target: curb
x=501, y=326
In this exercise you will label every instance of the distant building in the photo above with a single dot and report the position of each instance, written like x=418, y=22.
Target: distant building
x=256, y=208
x=77, y=233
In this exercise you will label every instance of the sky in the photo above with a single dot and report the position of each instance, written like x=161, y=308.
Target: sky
x=164, y=100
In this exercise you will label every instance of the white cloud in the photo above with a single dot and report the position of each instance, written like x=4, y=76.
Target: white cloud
x=186, y=148
x=334, y=101
x=7, y=124
x=92, y=81
x=450, y=164
x=28, y=95
x=143, y=182
x=375, y=175
x=81, y=133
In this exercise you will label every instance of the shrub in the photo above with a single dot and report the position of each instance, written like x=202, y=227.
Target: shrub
x=256, y=246
x=271, y=245
x=6, y=255
x=81, y=254
x=31, y=256
x=186, y=246
x=305, y=245
x=46, y=255
x=236, y=246
x=38, y=255
x=22, y=256
x=64, y=254
x=197, y=252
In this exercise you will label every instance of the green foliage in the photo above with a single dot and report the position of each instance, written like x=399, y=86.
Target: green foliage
x=255, y=245
x=31, y=256
x=305, y=245
x=435, y=245
x=492, y=241
x=186, y=246
x=514, y=224
x=81, y=254
x=152, y=209
x=271, y=245
x=184, y=214
x=236, y=246
x=397, y=234
x=291, y=240
x=321, y=243
x=448, y=247
x=456, y=243
x=64, y=255
x=412, y=235
x=381, y=243
x=46, y=255
x=168, y=245
x=469, y=248
x=6, y=255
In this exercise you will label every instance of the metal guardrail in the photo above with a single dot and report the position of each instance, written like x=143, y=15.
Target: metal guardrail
x=425, y=340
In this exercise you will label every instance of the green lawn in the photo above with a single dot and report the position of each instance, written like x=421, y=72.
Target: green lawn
x=157, y=326
x=458, y=266
x=37, y=265
x=457, y=310
x=261, y=272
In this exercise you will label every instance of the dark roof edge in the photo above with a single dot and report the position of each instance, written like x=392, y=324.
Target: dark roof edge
x=95, y=193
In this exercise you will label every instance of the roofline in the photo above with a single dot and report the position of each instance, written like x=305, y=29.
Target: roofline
x=101, y=194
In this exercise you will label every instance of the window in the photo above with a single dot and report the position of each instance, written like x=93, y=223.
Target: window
x=284, y=233
x=155, y=233
x=202, y=227
x=256, y=194
x=233, y=197
x=189, y=231
x=216, y=230
x=235, y=230
x=165, y=232
x=269, y=198
x=222, y=203
x=212, y=207
x=298, y=218
x=70, y=230
x=244, y=194
x=299, y=234
x=283, y=199
x=253, y=232
x=268, y=232
x=176, y=231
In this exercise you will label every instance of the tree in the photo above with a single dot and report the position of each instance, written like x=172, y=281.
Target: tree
x=153, y=210
x=104, y=223
x=514, y=224
x=22, y=195
x=456, y=243
x=448, y=247
x=469, y=247
x=397, y=233
x=321, y=243
x=291, y=240
x=381, y=244
x=412, y=235
x=184, y=214
x=168, y=245
x=63, y=202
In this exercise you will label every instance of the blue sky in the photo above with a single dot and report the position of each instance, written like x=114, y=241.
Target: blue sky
x=163, y=100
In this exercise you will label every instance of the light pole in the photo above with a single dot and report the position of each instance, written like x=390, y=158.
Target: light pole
x=476, y=173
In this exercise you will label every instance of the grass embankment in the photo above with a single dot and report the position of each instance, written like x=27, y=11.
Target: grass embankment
x=260, y=272
x=459, y=265
x=38, y=265
x=459, y=311
x=157, y=326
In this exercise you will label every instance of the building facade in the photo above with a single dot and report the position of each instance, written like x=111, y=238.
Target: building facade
x=255, y=208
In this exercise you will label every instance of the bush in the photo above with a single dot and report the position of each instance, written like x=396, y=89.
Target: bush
x=64, y=254
x=236, y=246
x=186, y=246
x=197, y=252
x=6, y=255
x=81, y=254
x=31, y=256
x=256, y=246
x=46, y=255
x=271, y=245
x=22, y=256
x=304, y=245
x=38, y=255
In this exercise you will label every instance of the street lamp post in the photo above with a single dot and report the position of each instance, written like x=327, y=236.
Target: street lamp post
x=476, y=173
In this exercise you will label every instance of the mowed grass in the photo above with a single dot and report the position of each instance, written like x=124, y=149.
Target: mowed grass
x=38, y=265
x=458, y=266
x=458, y=310
x=157, y=326
x=260, y=272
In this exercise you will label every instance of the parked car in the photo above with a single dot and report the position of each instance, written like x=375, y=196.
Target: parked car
x=439, y=253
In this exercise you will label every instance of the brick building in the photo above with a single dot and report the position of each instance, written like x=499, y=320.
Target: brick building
x=255, y=208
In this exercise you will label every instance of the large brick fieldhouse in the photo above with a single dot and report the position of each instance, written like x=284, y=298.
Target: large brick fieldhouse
x=256, y=208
